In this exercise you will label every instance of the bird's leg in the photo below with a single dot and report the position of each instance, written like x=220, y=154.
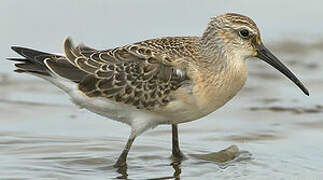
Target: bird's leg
x=123, y=156
x=176, y=152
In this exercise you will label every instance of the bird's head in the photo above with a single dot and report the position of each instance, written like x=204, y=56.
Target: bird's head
x=237, y=37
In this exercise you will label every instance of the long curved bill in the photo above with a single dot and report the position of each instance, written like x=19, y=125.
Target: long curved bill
x=264, y=54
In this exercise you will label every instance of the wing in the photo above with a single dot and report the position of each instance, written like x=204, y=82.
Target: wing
x=132, y=75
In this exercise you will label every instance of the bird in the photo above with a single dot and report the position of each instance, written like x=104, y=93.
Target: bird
x=167, y=80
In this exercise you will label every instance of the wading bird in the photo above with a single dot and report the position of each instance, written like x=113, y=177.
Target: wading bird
x=167, y=80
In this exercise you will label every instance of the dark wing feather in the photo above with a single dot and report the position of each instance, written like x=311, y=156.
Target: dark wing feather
x=130, y=75
x=63, y=68
x=33, y=60
x=43, y=63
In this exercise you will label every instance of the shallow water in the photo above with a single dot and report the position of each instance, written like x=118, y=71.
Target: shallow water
x=278, y=131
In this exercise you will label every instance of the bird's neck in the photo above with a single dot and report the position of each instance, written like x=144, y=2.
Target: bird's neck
x=226, y=75
x=213, y=51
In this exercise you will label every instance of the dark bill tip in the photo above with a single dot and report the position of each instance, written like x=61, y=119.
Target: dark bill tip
x=264, y=54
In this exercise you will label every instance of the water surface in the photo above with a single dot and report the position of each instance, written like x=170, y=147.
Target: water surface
x=277, y=129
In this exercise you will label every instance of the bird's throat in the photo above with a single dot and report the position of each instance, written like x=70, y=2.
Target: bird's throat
x=213, y=89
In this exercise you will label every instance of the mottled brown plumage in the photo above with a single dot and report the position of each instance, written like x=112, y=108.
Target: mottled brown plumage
x=142, y=74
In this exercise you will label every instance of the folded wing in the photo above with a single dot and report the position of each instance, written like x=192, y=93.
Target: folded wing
x=132, y=74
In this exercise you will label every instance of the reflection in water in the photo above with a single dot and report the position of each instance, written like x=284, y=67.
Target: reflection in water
x=177, y=170
x=176, y=165
x=123, y=172
x=223, y=159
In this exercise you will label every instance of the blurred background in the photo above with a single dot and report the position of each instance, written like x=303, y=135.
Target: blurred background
x=43, y=135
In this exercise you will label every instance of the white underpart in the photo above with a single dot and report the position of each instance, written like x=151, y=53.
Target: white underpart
x=139, y=120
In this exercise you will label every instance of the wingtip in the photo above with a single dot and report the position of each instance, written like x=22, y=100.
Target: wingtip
x=19, y=71
x=15, y=59
x=16, y=48
x=10, y=59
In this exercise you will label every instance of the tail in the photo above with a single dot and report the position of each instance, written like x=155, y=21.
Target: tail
x=45, y=64
x=33, y=61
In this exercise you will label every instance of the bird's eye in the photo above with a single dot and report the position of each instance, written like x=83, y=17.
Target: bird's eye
x=244, y=33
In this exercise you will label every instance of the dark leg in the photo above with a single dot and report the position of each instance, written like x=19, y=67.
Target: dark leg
x=123, y=156
x=177, y=154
